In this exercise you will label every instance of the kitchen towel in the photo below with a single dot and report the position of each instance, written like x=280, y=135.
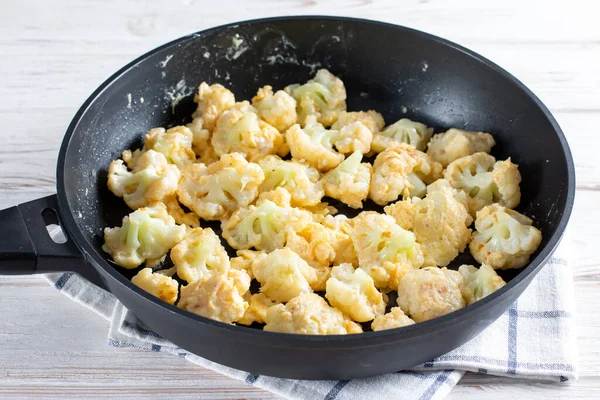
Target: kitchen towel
x=534, y=339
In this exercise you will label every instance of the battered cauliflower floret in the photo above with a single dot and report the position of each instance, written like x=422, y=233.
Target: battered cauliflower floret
x=341, y=228
x=479, y=283
x=257, y=310
x=485, y=180
x=263, y=226
x=240, y=130
x=153, y=180
x=394, y=319
x=321, y=210
x=201, y=142
x=439, y=222
x=282, y=274
x=314, y=144
x=181, y=216
x=457, y=143
x=158, y=285
x=214, y=192
x=309, y=314
x=356, y=130
x=200, y=253
x=244, y=260
x=174, y=143
x=353, y=292
x=503, y=238
x=277, y=109
x=146, y=234
x=385, y=251
x=212, y=101
x=402, y=170
x=402, y=131
x=443, y=185
x=323, y=97
x=219, y=296
x=349, y=182
x=301, y=180
x=430, y=292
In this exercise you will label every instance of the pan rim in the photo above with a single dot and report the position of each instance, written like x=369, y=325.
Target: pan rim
x=455, y=318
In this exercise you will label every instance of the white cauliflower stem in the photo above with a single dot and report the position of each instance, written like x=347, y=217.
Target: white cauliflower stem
x=214, y=192
x=485, y=180
x=457, y=143
x=199, y=254
x=158, y=285
x=240, y=130
x=403, y=131
x=349, y=182
x=146, y=234
x=385, y=250
x=504, y=238
x=277, y=109
x=309, y=314
x=479, y=283
x=402, y=170
x=323, y=97
x=152, y=180
x=353, y=292
x=314, y=144
x=430, y=292
x=219, y=296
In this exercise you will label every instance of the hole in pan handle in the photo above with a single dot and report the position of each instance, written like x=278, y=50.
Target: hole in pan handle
x=33, y=241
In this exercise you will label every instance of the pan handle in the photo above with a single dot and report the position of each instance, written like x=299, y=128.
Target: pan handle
x=26, y=246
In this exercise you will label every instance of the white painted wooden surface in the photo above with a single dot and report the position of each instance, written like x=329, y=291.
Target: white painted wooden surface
x=54, y=53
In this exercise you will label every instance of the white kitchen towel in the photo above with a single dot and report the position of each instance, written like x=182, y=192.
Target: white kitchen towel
x=534, y=339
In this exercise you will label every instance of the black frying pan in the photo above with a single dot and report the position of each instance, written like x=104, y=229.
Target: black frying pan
x=391, y=69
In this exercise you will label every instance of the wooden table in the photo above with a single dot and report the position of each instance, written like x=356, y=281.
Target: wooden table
x=55, y=53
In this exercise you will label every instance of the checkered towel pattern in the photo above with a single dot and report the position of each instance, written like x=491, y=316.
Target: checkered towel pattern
x=534, y=339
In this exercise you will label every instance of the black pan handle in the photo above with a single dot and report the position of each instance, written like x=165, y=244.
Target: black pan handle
x=27, y=248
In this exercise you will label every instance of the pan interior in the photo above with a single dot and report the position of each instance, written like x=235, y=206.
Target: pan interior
x=396, y=71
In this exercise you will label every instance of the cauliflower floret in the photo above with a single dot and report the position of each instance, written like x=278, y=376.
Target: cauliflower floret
x=314, y=144
x=282, y=274
x=257, y=311
x=212, y=101
x=181, y=217
x=321, y=210
x=485, y=180
x=323, y=97
x=219, y=296
x=439, y=222
x=356, y=130
x=309, y=314
x=402, y=131
x=153, y=180
x=240, y=130
x=394, y=319
x=244, y=260
x=146, y=234
x=353, y=292
x=504, y=238
x=263, y=225
x=479, y=283
x=457, y=143
x=385, y=251
x=214, y=192
x=158, y=285
x=402, y=170
x=301, y=180
x=175, y=144
x=430, y=292
x=340, y=228
x=277, y=109
x=443, y=185
x=349, y=182
x=201, y=142
x=199, y=254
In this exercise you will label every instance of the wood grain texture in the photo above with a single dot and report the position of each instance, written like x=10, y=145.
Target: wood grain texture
x=55, y=53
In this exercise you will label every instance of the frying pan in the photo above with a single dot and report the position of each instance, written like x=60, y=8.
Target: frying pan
x=391, y=69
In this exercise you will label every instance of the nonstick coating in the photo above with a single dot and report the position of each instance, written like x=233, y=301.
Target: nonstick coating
x=396, y=71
